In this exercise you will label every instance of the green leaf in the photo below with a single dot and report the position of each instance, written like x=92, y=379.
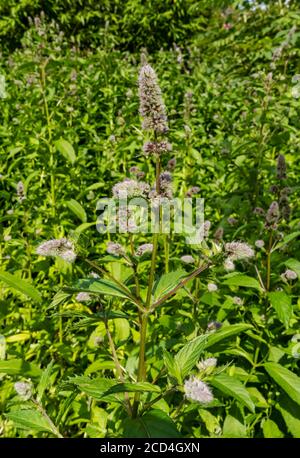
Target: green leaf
x=96, y=387
x=59, y=298
x=288, y=238
x=282, y=304
x=291, y=414
x=77, y=209
x=45, y=381
x=98, y=286
x=19, y=367
x=66, y=149
x=237, y=279
x=270, y=429
x=167, y=282
x=155, y=423
x=294, y=265
x=23, y=286
x=171, y=365
x=286, y=379
x=30, y=419
x=232, y=427
x=132, y=387
x=226, y=332
x=211, y=422
x=233, y=387
x=189, y=355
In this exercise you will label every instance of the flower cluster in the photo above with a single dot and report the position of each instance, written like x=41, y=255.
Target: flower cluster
x=130, y=188
x=207, y=364
x=145, y=248
x=83, y=297
x=165, y=185
x=115, y=249
x=187, y=259
x=152, y=108
x=238, y=250
x=21, y=195
x=196, y=390
x=62, y=248
x=23, y=389
x=156, y=148
x=289, y=275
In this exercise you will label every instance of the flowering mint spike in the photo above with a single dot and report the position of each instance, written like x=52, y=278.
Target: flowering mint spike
x=239, y=250
x=24, y=390
x=130, y=188
x=145, y=248
x=115, y=249
x=61, y=248
x=281, y=167
x=196, y=390
x=152, y=108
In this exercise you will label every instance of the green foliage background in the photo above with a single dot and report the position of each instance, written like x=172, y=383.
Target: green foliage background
x=74, y=77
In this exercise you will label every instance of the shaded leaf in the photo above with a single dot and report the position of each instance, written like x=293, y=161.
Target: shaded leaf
x=23, y=286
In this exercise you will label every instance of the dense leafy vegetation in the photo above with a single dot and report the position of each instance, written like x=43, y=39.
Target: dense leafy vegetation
x=72, y=360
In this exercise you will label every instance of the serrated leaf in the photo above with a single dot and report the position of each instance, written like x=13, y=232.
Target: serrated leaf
x=95, y=387
x=286, y=379
x=171, y=365
x=241, y=280
x=132, y=387
x=167, y=282
x=234, y=388
x=30, y=419
x=77, y=209
x=288, y=238
x=23, y=286
x=189, y=355
x=98, y=286
x=282, y=304
x=66, y=149
x=155, y=423
x=44, y=381
x=226, y=332
x=59, y=298
x=291, y=414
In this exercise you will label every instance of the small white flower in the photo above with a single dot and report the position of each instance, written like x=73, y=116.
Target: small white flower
x=206, y=363
x=196, y=390
x=187, y=259
x=62, y=248
x=115, y=249
x=83, y=297
x=145, y=248
x=211, y=287
x=289, y=275
x=24, y=389
x=237, y=300
x=259, y=243
x=229, y=264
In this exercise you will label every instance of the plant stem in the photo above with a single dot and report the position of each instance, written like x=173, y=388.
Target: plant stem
x=166, y=249
x=269, y=262
x=120, y=285
x=45, y=415
x=117, y=364
x=144, y=317
x=51, y=159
